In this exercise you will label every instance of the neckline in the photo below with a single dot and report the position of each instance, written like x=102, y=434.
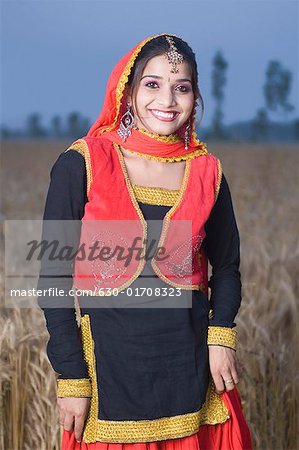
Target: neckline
x=158, y=188
x=166, y=218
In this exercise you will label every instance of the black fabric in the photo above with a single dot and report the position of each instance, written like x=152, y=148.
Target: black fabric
x=158, y=356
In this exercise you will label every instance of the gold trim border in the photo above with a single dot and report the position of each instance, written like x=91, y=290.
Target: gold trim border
x=81, y=147
x=79, y=387
x=185, y=157
x=155, y=195
x=224, y=336
x=219, y=178
x=161, y=137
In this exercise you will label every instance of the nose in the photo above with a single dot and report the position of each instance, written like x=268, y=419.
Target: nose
x=166, y=97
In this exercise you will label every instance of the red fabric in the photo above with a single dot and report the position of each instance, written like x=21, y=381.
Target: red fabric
x=234, y=434
x=115, y=105
x=115, y=205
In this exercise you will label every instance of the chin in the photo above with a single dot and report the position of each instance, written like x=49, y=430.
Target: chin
x=163, y=130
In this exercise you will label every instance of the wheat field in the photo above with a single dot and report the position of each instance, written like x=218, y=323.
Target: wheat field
x=263, y=180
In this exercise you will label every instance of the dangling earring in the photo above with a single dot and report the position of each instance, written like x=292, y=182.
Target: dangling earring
x=187, y=134
x=126, y=123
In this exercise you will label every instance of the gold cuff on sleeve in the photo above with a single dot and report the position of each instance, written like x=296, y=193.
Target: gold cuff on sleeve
x=225, y=336
x=74, y=387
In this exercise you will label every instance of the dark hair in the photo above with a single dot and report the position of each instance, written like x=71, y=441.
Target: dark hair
x=159, y=46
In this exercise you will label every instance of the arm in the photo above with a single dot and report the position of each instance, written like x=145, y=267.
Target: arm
x=222, y=247
x=66, y=199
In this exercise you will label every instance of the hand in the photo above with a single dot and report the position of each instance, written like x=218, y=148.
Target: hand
x=224, y=365
x=72, y=409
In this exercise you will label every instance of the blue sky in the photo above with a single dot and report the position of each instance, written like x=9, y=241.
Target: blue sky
x=56, y=55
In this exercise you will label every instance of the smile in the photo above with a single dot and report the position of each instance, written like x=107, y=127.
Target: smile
x=164, y=116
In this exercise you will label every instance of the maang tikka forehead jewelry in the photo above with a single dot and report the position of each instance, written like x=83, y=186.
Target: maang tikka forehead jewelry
x=173, y=56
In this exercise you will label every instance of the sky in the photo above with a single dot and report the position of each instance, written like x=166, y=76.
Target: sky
x=56, y=55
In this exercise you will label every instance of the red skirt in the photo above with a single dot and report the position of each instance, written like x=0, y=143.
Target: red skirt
x=233, y=434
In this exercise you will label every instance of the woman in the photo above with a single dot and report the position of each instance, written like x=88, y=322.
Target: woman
x=141, y=376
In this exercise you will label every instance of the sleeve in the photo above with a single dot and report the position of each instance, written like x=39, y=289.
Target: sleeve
x=65, y=201
x=222, y=247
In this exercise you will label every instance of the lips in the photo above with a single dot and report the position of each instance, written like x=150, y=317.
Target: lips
x=164, y=116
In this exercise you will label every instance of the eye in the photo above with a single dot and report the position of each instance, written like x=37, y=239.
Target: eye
x=183, y=88
x=150, y=84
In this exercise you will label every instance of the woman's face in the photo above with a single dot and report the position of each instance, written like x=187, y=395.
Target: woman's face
x=164, y=100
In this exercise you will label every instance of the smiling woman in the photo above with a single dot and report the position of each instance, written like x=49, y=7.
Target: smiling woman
x=147, y=372
x=163, y=101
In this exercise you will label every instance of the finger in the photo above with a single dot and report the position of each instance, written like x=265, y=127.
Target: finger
x=219, y=385
x=79, y=424
x=68, y=422
x=61, y=417
x=228, y=381
x=235, y=375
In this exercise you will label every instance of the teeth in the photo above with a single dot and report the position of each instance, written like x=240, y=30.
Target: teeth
x=163, y=114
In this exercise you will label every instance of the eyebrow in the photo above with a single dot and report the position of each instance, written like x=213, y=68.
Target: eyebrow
x=161, y=78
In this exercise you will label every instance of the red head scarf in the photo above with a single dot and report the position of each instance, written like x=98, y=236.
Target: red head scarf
x=139, y=141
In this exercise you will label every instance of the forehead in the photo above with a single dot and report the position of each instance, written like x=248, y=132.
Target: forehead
x=160, y=66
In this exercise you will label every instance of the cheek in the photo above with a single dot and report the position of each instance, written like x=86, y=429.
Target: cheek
x=187, y=103
x=143, y=97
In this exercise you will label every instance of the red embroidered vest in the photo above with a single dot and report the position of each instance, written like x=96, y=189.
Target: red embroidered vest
x=113, y=219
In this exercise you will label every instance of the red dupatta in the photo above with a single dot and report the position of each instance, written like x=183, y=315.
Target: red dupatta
x=140, y=140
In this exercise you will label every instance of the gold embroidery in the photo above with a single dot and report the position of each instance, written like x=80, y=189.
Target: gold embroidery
x=89, y=356
x=224, y=336
x=191, y=155
x=81, y=147
x=213, y=411
x=219, y=170
x=155, y=195
x=73, y=387
x=160, y=137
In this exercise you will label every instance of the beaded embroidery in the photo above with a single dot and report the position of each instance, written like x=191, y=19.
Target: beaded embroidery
x=73, y=387
x=188, y=156
x=155, y=195
x=225, y=336
x=107, y=268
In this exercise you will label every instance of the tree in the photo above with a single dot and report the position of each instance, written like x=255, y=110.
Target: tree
x=260, y=124
x=296, y=129
x=218, y=83
x=34, y=126
x=56, y=126
x=277, y=88
x=77, y=125
x=85, y=125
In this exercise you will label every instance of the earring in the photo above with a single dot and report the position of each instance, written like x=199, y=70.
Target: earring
x=126, y=123
x=187, y=134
